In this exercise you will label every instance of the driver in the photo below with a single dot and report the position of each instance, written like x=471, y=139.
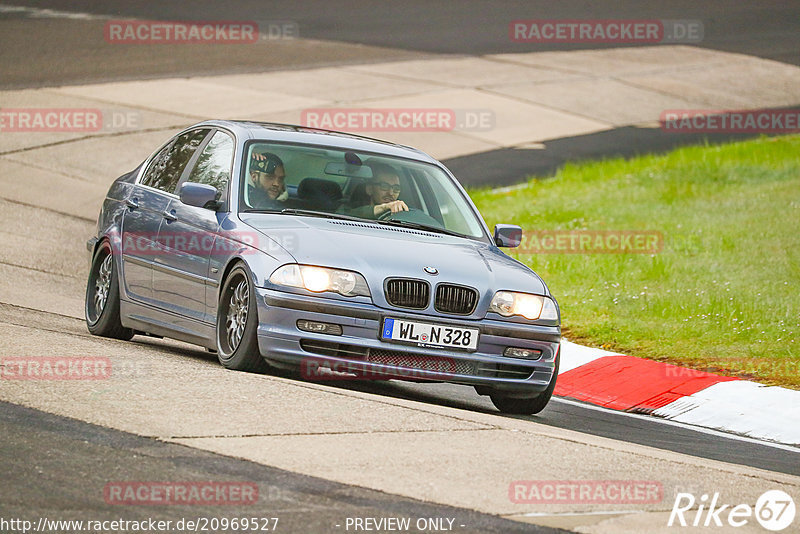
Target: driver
x=267, y=174
x=382, y=190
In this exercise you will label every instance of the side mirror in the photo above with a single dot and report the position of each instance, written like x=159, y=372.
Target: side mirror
x=199, y=195
x=507, y=235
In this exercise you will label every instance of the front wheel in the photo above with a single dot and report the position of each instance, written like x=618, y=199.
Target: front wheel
x=237, y=323
x=526, y=406
x=101, y=308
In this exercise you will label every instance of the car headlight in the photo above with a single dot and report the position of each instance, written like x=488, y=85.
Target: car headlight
x=508, y=303
x=319, y=279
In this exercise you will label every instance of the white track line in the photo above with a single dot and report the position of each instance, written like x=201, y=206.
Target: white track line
x=574, y=355
x=37, y=13
x=686, y=426
x=580, y=514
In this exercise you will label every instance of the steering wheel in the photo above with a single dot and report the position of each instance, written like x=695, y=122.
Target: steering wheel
x=386, y=215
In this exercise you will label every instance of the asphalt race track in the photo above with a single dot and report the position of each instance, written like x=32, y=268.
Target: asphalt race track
x=364, y=32
x=356, y=32
x=88, y=452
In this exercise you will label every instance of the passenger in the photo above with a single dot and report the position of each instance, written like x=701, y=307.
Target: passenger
x=268, y=177
x=383, y=189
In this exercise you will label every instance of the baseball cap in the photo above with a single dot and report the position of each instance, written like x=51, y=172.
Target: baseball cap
x=266, y=165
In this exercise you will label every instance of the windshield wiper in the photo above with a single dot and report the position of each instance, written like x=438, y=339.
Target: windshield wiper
x=314, y=213
x=328, y=215
x=419, y=226
x=309, y=213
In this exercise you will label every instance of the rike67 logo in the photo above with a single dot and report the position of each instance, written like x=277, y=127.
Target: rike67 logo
x=774, y=510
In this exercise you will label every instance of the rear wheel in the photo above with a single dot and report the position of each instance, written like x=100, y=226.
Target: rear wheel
x=237, y=323
x=102, y=297
x=529, y=405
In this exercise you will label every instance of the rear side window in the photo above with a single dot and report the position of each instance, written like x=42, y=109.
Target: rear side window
x=167, y=166
x=214, y=164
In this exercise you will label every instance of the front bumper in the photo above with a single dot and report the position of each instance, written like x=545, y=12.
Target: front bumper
x=359, y=349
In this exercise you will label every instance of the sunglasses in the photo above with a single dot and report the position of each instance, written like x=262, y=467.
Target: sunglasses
x=383, y=186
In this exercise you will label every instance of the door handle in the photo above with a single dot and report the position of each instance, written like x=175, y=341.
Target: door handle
x=169, y=216
x=133, y=203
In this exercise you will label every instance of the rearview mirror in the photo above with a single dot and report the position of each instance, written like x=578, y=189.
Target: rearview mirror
x=507, y=235
x=199, y=195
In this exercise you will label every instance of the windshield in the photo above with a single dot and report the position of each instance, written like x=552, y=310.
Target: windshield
x=302, y=179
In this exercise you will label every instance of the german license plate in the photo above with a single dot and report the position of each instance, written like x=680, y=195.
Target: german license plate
x=430, y=335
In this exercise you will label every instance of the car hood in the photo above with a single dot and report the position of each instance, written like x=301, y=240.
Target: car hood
x=380, y=251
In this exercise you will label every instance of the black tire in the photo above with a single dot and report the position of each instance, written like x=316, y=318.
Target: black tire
x=530, y=405
x=101, y=307
x=237, y=323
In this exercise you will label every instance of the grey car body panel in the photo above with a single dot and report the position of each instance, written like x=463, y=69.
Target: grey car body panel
x=377, y=251
x=175, y=294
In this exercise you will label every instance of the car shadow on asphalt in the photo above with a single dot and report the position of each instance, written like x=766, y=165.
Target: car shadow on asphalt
x=413, y=391
x=175, y=347
x=460, y=397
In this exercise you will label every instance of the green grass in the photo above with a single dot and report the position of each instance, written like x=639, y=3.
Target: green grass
x=722, y=294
